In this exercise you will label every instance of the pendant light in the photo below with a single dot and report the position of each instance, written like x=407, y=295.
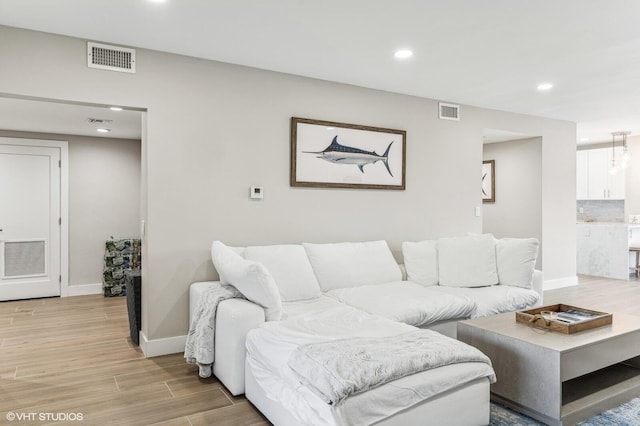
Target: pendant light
x=626, y=155
x=623, y=162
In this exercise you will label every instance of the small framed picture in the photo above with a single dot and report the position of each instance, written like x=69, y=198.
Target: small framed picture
x=489, y=181
x=327, y=154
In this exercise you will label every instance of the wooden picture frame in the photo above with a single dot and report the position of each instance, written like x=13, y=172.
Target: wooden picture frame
x=489, y=181
x=327, y=154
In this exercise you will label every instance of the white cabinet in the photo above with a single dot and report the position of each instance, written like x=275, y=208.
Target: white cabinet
x=617, y=181
x=582, y=180
x=594, y=182
x=599, y=163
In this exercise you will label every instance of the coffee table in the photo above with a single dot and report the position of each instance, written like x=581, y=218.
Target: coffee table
x=556, y=378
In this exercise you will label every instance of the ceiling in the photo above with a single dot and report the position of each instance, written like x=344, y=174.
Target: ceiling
x=491, y=53
x=69, y=119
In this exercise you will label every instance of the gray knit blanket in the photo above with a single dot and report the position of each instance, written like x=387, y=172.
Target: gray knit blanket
x=199, y=348
x=337, y=369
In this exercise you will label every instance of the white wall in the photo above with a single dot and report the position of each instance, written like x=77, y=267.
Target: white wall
x=214, y=129
x=517, y=212
x=632, y=184
x=104, y=197
x=104, y=200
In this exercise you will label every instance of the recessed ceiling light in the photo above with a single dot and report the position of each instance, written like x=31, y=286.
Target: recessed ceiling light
x=545, y=86
x=584, y=139
x=115, y=108
x=329, y=128
x=403, y=54
x=103, y=130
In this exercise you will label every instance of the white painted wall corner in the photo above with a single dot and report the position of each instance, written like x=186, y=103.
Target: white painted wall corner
x=560, y=283
x=84, y=289
x=158, y=347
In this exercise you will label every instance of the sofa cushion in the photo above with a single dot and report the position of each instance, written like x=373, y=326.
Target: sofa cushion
x=467, y=261
x=343, y=265
x=495, y=299
x=290, y=268
x=251, y=278
x=406, y=302
x=421, y=261
x=516, y=260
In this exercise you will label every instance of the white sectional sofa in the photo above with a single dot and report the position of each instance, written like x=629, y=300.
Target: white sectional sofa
x=440, y=283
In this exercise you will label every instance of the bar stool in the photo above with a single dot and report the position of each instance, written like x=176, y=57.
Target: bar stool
x=636, y=250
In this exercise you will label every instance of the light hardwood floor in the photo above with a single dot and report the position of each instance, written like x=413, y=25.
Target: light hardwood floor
x=73, y=355
x=600, y=294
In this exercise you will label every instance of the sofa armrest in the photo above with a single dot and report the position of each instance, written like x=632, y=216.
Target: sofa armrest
x=537, y=285
x=234, y=319
x=195, y=294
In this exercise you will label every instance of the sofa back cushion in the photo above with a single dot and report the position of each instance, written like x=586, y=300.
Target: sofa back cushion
x=290, y=268
x=516, y=260
x=467, y=261
x=343, y=265
x=251, y=278
x=421, y=261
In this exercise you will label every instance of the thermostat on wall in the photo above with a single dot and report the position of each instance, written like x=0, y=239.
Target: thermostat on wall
x=256, y=193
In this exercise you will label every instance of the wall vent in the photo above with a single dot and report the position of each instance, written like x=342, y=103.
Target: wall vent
x=24, y=259
x=449, y=111
x=113, y=58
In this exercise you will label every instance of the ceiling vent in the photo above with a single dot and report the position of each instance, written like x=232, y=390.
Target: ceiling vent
x=449, y=111
x=113, y=58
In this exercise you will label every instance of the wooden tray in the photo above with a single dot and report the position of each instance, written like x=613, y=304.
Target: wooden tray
x=533, y=318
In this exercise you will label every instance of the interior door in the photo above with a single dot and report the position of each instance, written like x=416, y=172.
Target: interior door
x=29, y=221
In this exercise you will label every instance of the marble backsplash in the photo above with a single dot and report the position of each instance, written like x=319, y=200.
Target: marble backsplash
x=600, y=210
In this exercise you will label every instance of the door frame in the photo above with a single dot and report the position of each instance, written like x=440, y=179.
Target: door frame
x=64, y=199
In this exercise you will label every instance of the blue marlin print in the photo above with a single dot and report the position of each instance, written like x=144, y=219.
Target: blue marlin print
x=340, y=154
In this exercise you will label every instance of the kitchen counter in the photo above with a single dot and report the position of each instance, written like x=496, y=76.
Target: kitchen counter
x=586, y=222
x=603, y=248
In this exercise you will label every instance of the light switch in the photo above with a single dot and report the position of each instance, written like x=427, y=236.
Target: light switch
x=477, y=211
x=256, y=193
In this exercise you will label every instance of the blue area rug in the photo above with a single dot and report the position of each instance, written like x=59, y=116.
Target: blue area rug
x=627, y=414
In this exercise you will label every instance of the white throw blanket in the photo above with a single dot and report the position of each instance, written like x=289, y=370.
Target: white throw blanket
x=199, y=348
x=337, y=369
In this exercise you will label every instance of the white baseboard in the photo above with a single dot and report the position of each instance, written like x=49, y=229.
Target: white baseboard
x=157, y=347
x=560, y=283
x=84, y=289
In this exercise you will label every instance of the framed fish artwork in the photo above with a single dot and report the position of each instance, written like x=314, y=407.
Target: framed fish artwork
x=489, y=181
x=327, y=154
